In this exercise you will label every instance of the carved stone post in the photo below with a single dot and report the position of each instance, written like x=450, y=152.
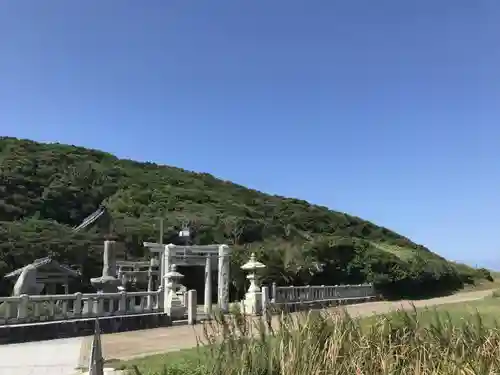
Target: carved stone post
x=223, y=278
x=77, y=305
x=122, y=303
x=208, y=286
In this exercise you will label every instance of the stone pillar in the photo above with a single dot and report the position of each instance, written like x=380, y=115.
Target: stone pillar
x=150, y=289
x=66, y=288
x=191, y=306
x=153, y=264
x=77, y=305
x=267, y=310
x=109, y=259
x=22, y=312
x=122, y=303
x=120, y=275
x=165, y=262
x=265, y=300
x=223, y=279
x=107, y=283
x=208, y=286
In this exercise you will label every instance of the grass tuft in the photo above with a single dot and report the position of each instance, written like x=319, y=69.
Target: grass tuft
x=321, y=343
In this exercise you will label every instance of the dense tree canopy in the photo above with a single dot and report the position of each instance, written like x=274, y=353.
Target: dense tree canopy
x=47, y=189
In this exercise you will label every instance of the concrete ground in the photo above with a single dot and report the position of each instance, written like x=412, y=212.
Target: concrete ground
x=62, y=356
x=54, y=357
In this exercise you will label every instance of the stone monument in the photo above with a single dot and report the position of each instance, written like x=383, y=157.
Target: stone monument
x=26, y=282
x=252, y=304
x=173, y=306
x=108, y=282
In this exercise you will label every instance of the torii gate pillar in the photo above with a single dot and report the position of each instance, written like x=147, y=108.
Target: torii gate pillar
x=223, y=278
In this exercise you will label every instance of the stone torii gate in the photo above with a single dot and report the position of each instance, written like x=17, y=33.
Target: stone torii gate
x=197, y=255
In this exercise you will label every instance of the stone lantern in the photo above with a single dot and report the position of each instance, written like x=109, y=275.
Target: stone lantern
x=172, y=304
x=252, y=304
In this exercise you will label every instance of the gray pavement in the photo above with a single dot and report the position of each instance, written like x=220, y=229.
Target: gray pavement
x=50, y=357
x=53, y=357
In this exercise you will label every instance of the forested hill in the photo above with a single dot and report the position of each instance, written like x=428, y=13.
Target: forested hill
x=47, y=189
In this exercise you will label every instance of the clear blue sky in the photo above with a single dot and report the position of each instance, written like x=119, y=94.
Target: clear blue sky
x=388, y=110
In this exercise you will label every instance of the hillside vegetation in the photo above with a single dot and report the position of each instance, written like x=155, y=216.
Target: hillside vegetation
x=47, y=189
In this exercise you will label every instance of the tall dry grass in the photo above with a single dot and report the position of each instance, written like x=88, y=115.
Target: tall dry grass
x=320, y=343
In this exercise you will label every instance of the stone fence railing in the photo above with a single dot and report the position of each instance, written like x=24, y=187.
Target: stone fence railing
x=39, y=308
x=310, y=293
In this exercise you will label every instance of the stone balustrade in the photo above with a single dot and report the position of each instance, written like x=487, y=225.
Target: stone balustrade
x=322, y=293
x=39, y=308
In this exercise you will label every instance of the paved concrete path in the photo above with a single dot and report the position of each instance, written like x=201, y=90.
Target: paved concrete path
x=54, y=357
x=62, y=356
